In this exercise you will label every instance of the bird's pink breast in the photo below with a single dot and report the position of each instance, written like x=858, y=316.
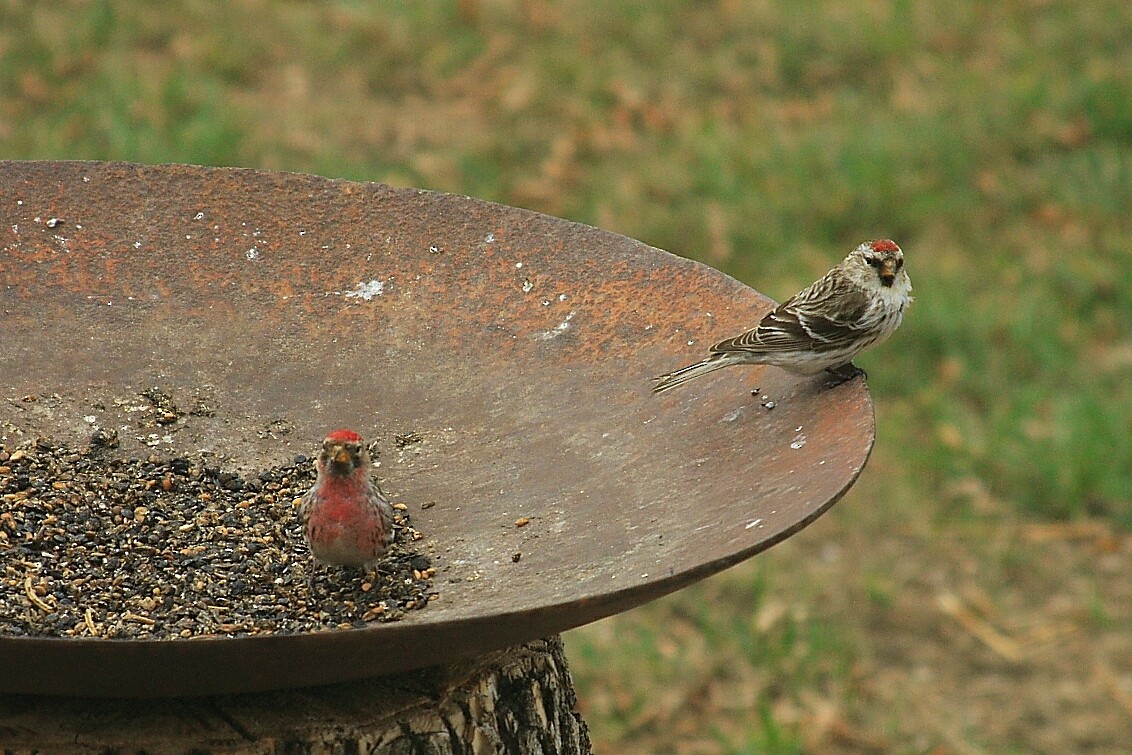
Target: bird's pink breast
x=344, y=526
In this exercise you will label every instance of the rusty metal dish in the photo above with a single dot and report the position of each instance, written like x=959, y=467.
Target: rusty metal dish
x=520, y=345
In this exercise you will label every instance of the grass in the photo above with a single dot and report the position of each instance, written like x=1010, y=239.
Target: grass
x=992, y=140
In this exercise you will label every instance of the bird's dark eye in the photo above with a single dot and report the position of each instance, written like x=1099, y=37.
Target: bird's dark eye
x=873, y=262
x=899, y=265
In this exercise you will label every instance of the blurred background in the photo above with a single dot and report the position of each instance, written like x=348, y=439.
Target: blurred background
x=972, y=593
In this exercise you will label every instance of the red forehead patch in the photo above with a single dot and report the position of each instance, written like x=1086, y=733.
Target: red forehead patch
x=344, y=436
x=884, y=245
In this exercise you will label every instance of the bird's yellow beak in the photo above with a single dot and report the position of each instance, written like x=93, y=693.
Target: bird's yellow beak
x=888, y=272
x=341, y=456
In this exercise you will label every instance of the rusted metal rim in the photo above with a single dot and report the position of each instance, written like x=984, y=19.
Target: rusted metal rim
x=520, y=346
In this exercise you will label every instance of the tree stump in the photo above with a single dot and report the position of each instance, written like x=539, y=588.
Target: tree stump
x=520, y=700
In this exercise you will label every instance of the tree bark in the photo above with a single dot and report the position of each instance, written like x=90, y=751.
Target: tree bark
x=521, y=700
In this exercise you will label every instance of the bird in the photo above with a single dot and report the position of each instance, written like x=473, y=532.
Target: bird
x=855, y=306
x=346, y=519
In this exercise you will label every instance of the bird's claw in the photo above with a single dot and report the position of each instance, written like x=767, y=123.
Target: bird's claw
x=844, y=374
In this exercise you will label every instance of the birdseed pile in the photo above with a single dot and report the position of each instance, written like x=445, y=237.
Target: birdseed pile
x=92, y=545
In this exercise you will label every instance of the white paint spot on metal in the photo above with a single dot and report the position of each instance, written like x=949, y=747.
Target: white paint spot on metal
x=558, y=329
x=366, y=290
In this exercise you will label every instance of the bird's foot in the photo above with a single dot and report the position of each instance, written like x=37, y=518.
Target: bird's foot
x=845, y=373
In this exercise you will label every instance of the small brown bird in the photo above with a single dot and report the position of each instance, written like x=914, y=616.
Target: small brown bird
x=853, y=307
x=346, y=519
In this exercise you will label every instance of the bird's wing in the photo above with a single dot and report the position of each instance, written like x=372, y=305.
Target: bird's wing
x=829, y=315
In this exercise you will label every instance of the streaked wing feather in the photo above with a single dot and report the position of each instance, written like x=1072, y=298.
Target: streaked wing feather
x=827, y=315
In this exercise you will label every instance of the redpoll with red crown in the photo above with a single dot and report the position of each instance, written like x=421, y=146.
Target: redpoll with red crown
x=855, y=306
x=346, y=519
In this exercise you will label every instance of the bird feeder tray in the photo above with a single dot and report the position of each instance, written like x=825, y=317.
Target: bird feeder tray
x=515, y=349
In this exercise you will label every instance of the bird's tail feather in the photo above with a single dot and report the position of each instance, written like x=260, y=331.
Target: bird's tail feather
x=691, y=372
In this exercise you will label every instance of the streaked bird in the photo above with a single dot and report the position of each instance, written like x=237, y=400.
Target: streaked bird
x=855, y=306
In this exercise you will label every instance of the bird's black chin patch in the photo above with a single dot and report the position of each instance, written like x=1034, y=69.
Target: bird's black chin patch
x=341, y=468
x=887, y=280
